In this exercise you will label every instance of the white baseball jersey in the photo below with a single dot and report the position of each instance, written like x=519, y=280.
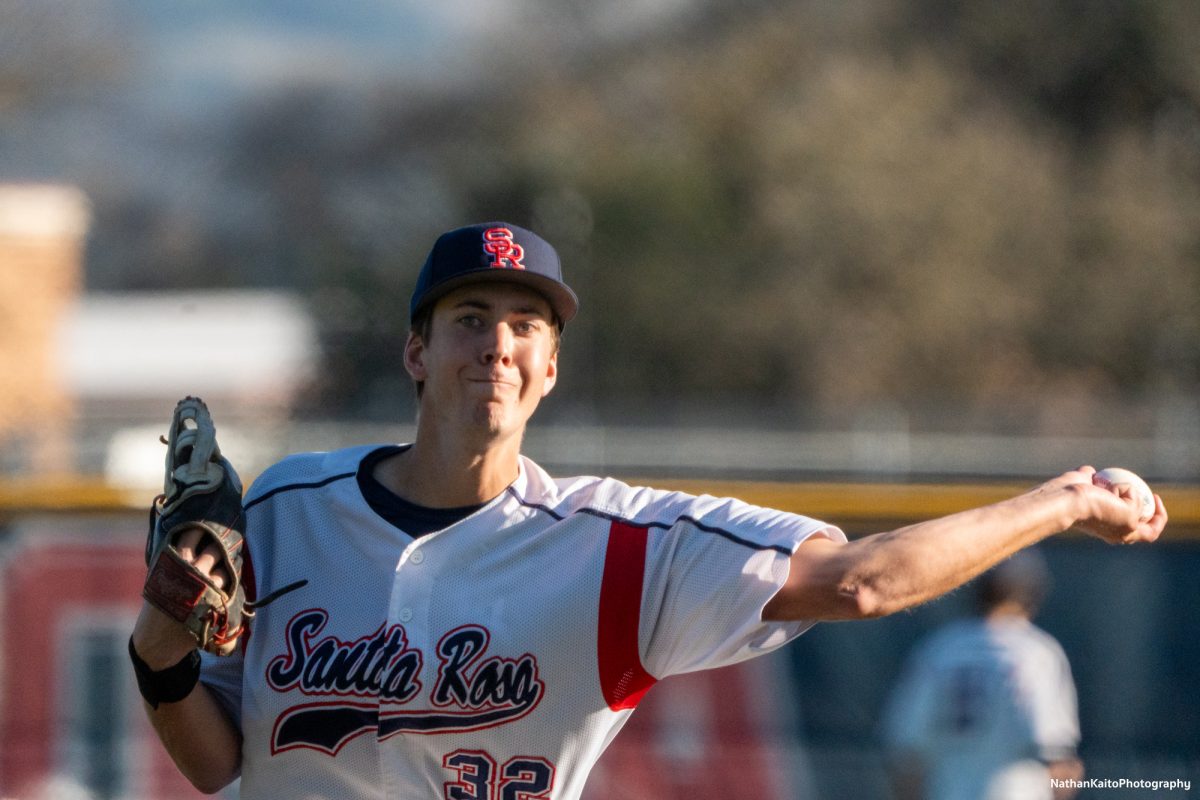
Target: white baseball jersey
x=983, y=705
x=494, y=659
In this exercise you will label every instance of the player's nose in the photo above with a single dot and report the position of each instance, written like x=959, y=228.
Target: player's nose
x=498, y=345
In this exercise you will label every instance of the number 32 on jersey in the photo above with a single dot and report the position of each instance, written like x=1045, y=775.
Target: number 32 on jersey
x=521, y=778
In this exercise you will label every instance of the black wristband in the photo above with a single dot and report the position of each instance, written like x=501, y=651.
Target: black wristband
x=168, y=685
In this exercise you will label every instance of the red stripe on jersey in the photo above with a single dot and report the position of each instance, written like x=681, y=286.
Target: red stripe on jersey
x=623, y=679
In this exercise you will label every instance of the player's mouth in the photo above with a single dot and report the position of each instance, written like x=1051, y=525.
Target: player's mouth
x=492, y=382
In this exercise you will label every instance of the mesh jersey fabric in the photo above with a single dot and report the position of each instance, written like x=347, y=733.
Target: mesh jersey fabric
x=409, y=666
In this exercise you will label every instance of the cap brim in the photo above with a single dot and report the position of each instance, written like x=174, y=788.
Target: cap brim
x=563, y=301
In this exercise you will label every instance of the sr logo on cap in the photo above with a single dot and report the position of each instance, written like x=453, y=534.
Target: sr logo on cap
x=499, y=244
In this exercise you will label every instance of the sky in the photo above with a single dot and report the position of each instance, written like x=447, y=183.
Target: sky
x=148, y=75
x=134, y=98
x=197, y=50
x=226, y=44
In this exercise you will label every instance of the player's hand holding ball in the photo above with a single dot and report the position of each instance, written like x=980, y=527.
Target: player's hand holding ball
x=1142, y=517
x=1124, y=483
x=1113, y=504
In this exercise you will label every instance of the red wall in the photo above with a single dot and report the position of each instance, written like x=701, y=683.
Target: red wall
x=46, y=579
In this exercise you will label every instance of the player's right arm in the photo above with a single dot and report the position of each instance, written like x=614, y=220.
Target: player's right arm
x=889, y=572
x=196, y=732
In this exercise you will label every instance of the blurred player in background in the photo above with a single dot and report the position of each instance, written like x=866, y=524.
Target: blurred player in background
x=473, y=628
x=986, y=709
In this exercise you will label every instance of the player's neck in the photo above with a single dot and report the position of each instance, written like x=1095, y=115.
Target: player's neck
x=438, y=472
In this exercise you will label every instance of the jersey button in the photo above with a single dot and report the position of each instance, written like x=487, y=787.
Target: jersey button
x=417, y=556
x=405, y=614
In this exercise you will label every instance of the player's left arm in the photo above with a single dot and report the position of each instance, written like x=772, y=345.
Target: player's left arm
x=1063, y=770
x=887, y=572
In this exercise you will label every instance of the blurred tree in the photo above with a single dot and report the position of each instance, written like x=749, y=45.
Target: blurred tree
x=808, y=209
x=1089, y=64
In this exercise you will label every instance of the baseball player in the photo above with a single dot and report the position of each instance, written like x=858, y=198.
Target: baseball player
x=473, y=628
x=986, y=707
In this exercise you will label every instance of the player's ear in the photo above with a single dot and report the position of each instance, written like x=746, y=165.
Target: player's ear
x=551, y=373
x=414, y=356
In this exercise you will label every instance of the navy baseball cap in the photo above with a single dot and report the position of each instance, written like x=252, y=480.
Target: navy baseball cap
x=493, y=251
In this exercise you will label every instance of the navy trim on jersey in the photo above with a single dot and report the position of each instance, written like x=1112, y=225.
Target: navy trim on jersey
x=537, y=506
x=664, y=525
x=406, y=516
x=288, y=487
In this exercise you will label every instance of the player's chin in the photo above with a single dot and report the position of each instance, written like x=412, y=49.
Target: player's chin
x=496, y=415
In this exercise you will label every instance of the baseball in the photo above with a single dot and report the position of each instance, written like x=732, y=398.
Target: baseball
x=1117, y=480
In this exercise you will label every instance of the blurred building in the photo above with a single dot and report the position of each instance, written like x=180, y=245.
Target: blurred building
x=132, y=356
x=42, y=230
x=127, y=358
x=79, y=368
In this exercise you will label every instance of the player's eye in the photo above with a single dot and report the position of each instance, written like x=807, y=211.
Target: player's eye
x=470, y=320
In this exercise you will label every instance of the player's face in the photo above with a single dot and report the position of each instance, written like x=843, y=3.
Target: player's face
x=489, y=360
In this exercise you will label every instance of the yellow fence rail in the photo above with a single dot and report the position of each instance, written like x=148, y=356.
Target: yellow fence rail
x=850, y=503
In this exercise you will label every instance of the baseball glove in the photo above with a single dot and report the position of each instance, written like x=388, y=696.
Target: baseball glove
x=200, y=491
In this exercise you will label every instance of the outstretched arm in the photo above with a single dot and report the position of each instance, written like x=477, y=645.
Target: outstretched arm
x=888, y=572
